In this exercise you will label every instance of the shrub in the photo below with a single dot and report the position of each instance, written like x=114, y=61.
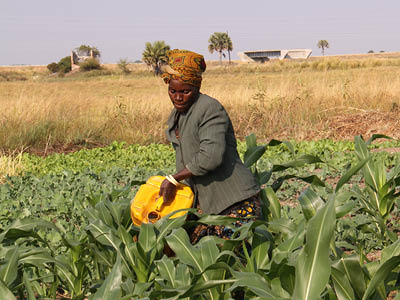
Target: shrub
x=90, y=64
x=53, y=67
x=64, y=65
x=123, y=64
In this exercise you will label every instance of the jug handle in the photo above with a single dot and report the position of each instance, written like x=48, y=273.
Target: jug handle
x=159, y=203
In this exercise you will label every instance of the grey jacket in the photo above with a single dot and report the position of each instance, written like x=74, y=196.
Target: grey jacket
x=207, y=147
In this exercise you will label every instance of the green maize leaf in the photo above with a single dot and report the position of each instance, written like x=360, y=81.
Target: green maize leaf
x=256, y=284
x=310, y=203
x=28, y=287
x=274, y=204
x=390, y=251
x=111, y=287
x=346, y=177
x=179, y=242
x=342, y=285
x=377, y=136
x=253, y=154
x=381, y=274
x=283, y=225
x=251, y=140
x=165, y=226
x=276, y=287
x=8, y=270
x=297, y=240
x=167, y=270
x=5, y=293
x=351, y=268
x=147, y=237
x=289, y=145
x=260, y=248
x=209, y=251
x=104, y=214
x=313, y=179
x=299, y=162
x=313, y=264
x=37, y=257
x=264, y=177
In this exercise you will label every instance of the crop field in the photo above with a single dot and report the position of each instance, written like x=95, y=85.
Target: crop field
x=74, y=150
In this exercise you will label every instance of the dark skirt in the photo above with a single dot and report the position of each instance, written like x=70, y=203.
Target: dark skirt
x=249, y=208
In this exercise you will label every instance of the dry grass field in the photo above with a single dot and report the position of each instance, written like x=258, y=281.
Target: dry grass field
x=333, y=97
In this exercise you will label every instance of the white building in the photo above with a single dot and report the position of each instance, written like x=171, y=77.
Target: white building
x=266, y=55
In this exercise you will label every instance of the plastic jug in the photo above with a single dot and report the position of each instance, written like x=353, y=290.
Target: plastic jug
x=148, y=206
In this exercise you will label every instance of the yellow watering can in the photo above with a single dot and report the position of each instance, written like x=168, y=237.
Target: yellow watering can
x=148, y=206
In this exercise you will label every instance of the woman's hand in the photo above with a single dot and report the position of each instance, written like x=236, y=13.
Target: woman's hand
x=167, y=190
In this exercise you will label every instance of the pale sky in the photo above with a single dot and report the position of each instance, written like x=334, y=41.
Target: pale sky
x=39, y=32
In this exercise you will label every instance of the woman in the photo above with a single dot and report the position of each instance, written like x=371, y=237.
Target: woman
x=202, y=135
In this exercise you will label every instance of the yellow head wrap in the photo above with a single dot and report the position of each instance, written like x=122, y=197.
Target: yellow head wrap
x=184, y=65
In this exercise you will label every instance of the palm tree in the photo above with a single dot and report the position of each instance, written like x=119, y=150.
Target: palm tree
x=155, y=54
x=218, y=42
x=323, y=44
x=229, y=46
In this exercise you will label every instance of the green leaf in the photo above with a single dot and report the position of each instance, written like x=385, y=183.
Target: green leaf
x=313, y=264
x=310, y=203
x=274, y=204
x=179, y=242
x=5, y=293
x=350, y=266
x=381, y=274
x=342, y=285
x=8, y=271
x=111, y=287
x=28, y=287
x=253, y=154
x=377, y=136
x=346, y=177
x=147, y=237
x=299, y=162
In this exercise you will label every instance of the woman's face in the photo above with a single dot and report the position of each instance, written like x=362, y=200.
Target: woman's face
x=182, y=94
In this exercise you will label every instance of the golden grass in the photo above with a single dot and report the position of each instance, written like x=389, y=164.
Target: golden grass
x=10, y=165
x=291, y=100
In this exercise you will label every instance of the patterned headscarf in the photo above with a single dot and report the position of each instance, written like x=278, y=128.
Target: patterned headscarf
x=184, y=65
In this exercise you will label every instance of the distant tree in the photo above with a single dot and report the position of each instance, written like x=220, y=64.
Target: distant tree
x=229, y=46
x=53, y=67
x=381, y=51
x=323, y=44
x=155, y=54
x=219, y=41
x=371, y=51
x=84, y=50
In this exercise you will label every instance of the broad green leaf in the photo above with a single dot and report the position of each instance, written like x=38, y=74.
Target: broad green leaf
x=350, y=266
x=28, y=287
x=253, y=154
x=251, y=141
x=310, y=203
x=179, y=242
x=313, y=264
x=8, y=271
x=390, y=251
x=255, y=283
x=274, y=204
x=5, y=293
x=111, y=287
x=209, y=251
x=342, y=285
x=167, y=270
x=299, y=162
x=346, y=177
x=147, y=237
x=381, y=274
